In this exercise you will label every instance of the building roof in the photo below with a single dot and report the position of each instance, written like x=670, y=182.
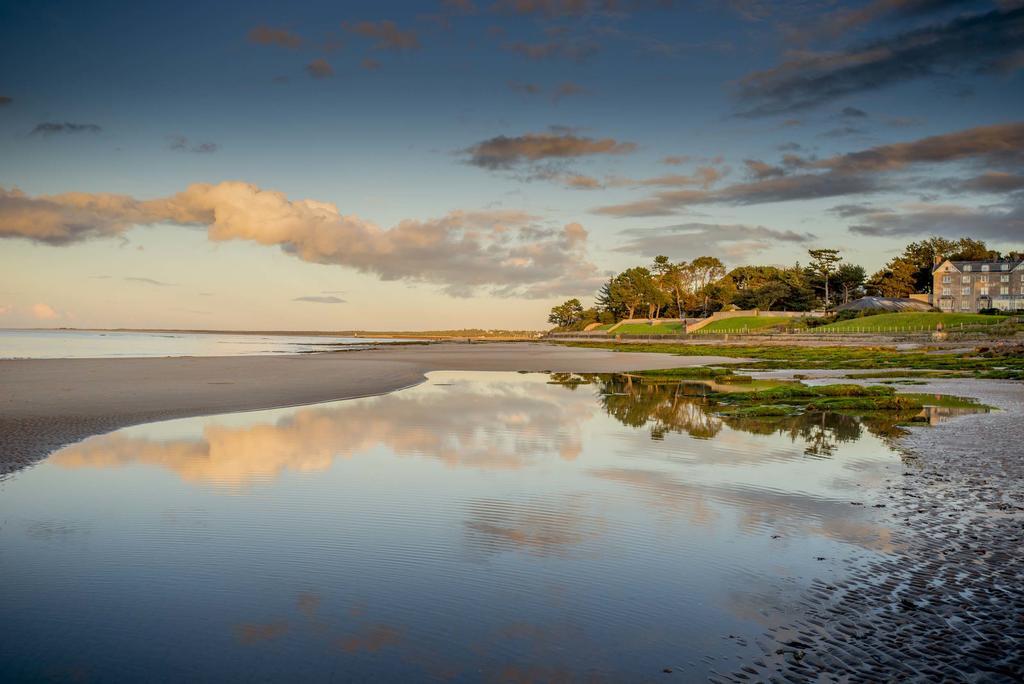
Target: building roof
x=993, y=265
x=894, y=304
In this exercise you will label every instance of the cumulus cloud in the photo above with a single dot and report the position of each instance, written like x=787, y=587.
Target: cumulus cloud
x=320, y=68
x=318, y=299
x=266, y=35
x=977, y=43
x=180, y=143
x=504, y=152
x=387, y=35
x=866, y=171
x=689, y=240
x=48, y=128
x=508, y=253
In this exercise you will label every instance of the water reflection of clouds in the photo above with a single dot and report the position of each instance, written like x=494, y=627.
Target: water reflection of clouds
x=760, y=509
x=487, y=426
x=541, y=527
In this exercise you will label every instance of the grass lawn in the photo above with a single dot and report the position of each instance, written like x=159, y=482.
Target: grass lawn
x=989, y=364
x=742, y=323
x=674, y=328
x=910, y=321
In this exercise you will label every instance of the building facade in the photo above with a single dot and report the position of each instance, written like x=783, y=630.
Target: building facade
x=969, y=286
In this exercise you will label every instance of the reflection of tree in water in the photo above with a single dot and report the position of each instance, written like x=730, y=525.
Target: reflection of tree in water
x=667, y=406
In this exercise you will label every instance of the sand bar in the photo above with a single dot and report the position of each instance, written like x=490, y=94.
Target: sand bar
x=46, y=403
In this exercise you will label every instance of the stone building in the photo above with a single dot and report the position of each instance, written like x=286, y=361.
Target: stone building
x=970, y=286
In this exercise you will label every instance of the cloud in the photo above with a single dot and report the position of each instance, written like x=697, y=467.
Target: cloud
x=866, y=171
x=44, y=312
x=266, y=35
x=180, y=143
x=995, y=182
x=689, y=240
x=53, y=127
x=979, y=43
x=525, y=88
x=149, y=281
x=581, y=182
x=574, y=49
x=853, y=113
x=320, y=68
x=316, y=299
x=503, y=152
x=387, y=34
x=675, y=159
x=1004, y=224
x=567, y=89
x=5, y=100
x=507, y=253
x=842, y=21
x=370, y=64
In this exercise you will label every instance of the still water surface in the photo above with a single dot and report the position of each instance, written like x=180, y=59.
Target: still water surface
x=76, y=344
x=481, y=526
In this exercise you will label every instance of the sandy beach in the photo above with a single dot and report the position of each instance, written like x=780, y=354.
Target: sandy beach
x=47, y=403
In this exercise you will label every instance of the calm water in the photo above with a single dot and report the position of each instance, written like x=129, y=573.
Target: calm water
x=487, y=526
x=67, y=344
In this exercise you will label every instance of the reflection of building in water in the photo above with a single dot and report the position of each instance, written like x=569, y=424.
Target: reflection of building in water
x=933, y=415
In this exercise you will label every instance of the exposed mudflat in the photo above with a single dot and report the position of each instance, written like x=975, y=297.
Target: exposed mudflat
x=947, y=603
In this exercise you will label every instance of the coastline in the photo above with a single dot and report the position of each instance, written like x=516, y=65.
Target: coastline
x=48, y=403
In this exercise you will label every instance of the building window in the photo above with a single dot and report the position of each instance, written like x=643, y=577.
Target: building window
x=946, y=292
x=1004, y=290
x=984, y=292
x=1004, y=278
x=946, y=279
x=966, y=291
x=967, y=267
x=965, y=279
x=984, y=267
x=965, y=306
x=1004, y=267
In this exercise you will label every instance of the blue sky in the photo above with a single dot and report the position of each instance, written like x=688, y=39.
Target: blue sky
x=496, y=111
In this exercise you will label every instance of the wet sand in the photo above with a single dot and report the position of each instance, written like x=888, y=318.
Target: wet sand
x=947, y=603
x=47, y=403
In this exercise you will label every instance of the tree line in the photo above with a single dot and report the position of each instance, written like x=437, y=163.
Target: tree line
x=698, y=288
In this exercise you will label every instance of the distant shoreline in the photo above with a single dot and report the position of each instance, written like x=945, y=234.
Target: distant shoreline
x=393, y=334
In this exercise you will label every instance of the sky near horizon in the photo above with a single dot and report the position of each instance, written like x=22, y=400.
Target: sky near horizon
x=470, y=163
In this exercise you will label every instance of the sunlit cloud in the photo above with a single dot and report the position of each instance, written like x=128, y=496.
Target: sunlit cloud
x=266, y=35
x=44, y=312
x=506, y=252
x=386, y=34
x=320, y=68
x=505, y=152
x=320, y=299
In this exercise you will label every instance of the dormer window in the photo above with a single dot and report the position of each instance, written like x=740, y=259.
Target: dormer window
x=967, y=267
x=984, y=267
x=1004, y=267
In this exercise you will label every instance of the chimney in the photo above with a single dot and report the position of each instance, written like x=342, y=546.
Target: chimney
x=936, y=260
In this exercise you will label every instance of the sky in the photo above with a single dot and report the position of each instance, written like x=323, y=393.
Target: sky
x=470, y=163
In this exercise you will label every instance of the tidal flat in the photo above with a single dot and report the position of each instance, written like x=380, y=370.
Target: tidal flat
x=527, y=526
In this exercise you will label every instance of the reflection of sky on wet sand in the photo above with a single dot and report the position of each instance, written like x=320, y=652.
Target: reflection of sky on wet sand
x=479, y=526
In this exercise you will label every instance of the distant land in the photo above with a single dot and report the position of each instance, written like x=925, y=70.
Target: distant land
x=440, y=334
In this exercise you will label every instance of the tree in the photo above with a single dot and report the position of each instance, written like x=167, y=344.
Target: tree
x=850, y=279
x=635, y=288
x=822, y=262
x=704, y=271
x=895, y=280
x=567, y=314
